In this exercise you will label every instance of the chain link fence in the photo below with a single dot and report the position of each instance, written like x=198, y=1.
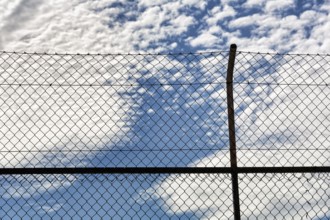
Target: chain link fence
x=282, y=109
x=146, y=136
x=111, y=110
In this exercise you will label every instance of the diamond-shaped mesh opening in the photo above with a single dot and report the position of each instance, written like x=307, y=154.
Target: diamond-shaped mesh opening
x=282, y=109
x=67, y=110
x=116, y=196
x=285, y=196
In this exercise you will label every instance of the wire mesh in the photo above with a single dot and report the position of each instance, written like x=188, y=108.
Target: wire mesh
x=154, y=110
x=282, y=109
x=115, y=196
x=111, y=110
x=285, y=196
x=172, y=196
x=162, y=110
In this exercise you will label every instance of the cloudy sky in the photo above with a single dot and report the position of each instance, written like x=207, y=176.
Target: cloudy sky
x=111, y=27
x=107, y=26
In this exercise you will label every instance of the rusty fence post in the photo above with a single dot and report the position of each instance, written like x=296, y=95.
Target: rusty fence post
x=231, y=128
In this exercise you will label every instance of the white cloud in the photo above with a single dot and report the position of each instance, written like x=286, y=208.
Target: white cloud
x=89, y=26
x=181, y=23
x=254, y=3
x=246, y=21
x=196, y=3
x=269, y=27
x=148, y=3
x=273, y=5
x=217, y=14
x=205, y=39
x=92, y=26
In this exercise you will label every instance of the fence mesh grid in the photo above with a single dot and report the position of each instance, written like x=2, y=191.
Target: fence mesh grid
x=282, y=109
x=153, y=110
x=111, y=110
x=116, y=196
x=285, y=196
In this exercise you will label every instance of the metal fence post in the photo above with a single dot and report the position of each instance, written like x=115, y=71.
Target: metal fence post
x=231, y=128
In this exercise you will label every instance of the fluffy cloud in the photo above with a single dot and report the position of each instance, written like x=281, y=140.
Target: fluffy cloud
x=274, y=5
x=205, y=39
x=91, y=26
x=280, y=26
x=112, y=26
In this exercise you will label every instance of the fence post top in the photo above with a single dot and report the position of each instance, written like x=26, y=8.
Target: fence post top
x=233, y=47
